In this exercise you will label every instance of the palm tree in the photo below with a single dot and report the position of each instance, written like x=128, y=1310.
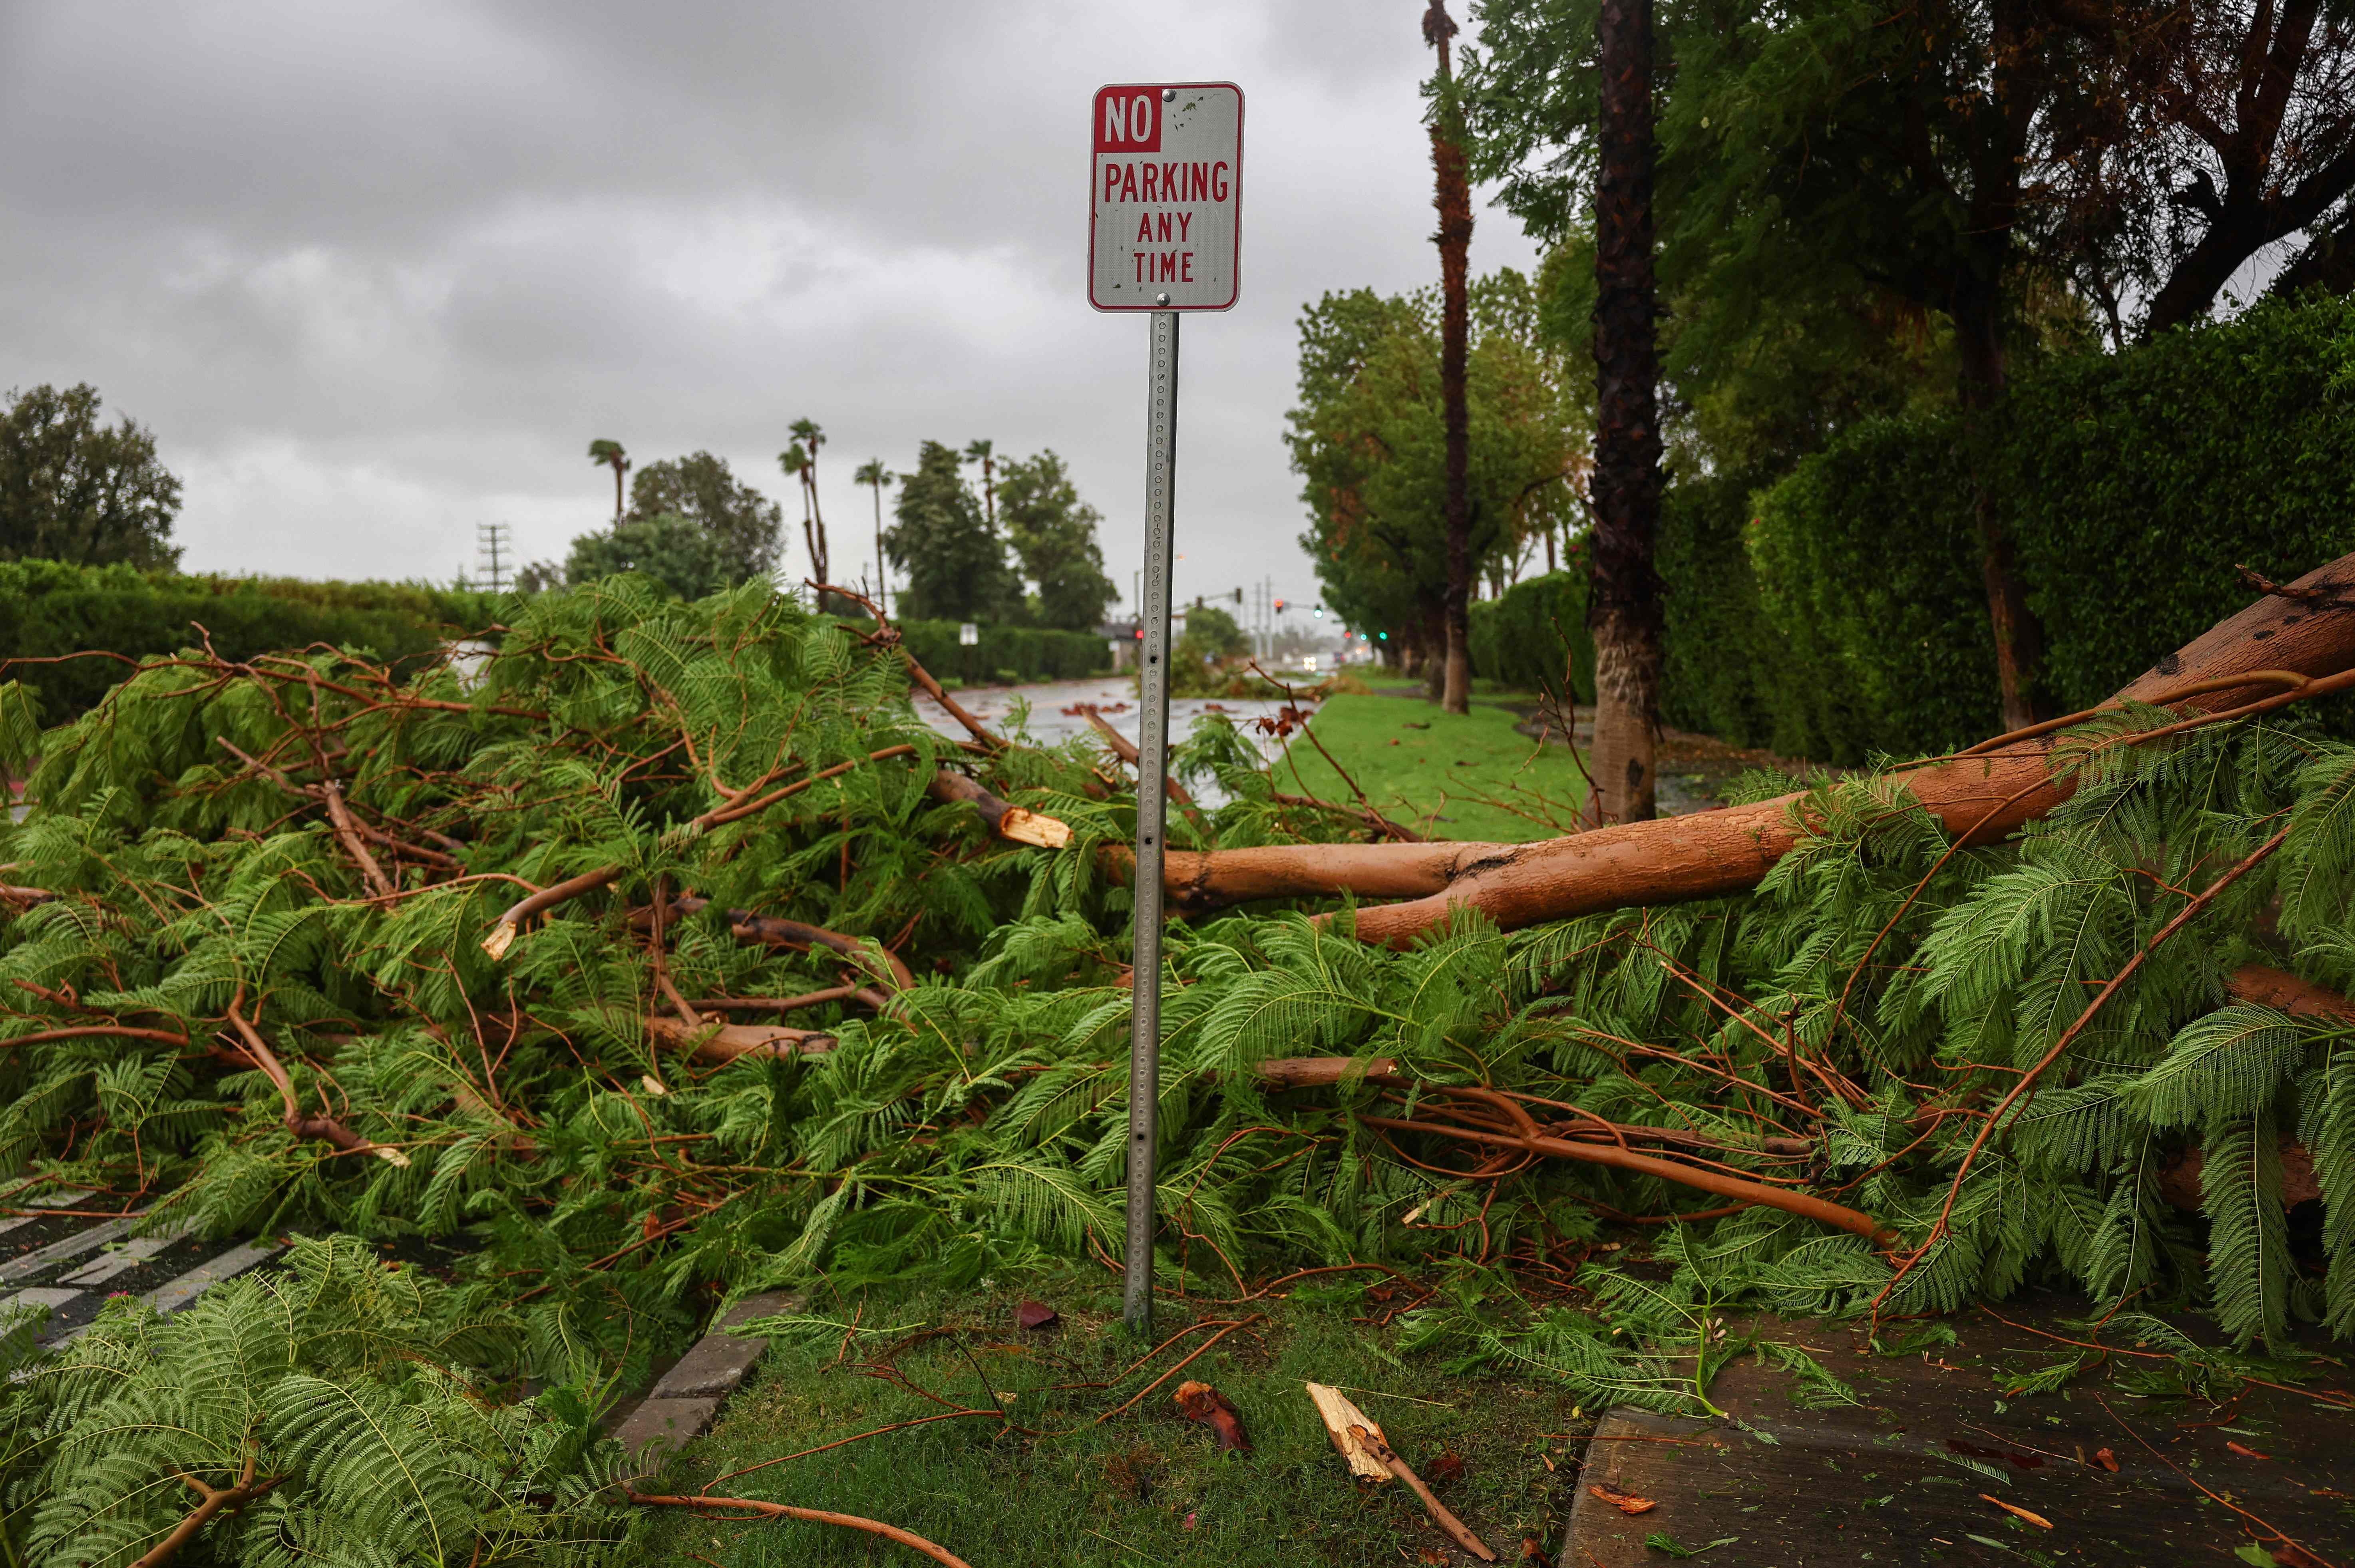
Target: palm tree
x=1453, y=197
x=611, y=454
x=1624, y=601
x=981, y=451
x=873, y=475
x=800, y=460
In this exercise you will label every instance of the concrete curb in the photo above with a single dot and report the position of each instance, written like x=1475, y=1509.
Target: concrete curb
x=685, y=1397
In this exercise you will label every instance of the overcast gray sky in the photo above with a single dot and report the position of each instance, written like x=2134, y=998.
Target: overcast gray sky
x=376, y=273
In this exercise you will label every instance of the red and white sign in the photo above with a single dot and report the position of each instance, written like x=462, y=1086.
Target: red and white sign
x=1166, y=205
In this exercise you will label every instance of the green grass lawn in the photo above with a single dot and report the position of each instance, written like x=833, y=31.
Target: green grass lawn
x=1144, y=1487
x=1467, y=776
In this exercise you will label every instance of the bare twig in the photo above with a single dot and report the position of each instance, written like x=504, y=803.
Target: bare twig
x=2280, y=1535
x=1817, y=1209
x=816, y=1516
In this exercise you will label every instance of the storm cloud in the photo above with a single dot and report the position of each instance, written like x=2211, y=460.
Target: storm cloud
x=374, y=274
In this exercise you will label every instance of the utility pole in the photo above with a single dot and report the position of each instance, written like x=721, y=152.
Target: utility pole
x=494, y=547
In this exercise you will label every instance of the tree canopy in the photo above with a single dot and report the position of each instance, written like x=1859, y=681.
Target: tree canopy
x=1053, y=533
x=745, y=526
x=2142, y=150
x=1368, y=441
x=74, y=489
x=956, y=563
x=684, y=558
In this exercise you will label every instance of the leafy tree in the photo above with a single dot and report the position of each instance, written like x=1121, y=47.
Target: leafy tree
x=1053, y=533
x=744, y=524
x=684, y=558
x=609, y=455
x=1957, y=157
x=1212, y=637
x=1368, y=437
x=2231, y=128
x=955, y=561
x=73, y=489
x=538, y=577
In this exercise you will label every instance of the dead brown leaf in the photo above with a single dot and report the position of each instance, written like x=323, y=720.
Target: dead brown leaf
x=1429, y=1556
x=2246, y=1453
x=1200, y=1402
x=1532, y=1550
x=1446, y=1467
x=2107, y=1460
x=1626, y=1503
x=1035, y=1315
x=2038, y=1520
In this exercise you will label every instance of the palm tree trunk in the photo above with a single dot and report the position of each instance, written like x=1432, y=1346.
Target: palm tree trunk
x=819, y=550
x=1453, y=197
x=882, y=572
x=1623, y=604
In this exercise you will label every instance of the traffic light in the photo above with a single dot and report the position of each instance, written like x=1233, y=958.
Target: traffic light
x=1279, y=606
x=1320, y=611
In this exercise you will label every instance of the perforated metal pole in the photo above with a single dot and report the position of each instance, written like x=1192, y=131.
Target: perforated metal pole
x=1152, y=809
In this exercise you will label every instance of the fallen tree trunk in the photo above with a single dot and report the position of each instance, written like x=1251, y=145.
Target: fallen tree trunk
x=2269, y=653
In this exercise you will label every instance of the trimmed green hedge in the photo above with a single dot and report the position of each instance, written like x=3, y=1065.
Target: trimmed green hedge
x=48, y=609
x=1867, y=565
x=1007, y=653
x=1519, y=641
x=2134, y=483
x=1727, y=669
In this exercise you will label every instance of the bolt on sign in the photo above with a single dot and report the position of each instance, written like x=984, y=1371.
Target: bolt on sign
x=1162, y=229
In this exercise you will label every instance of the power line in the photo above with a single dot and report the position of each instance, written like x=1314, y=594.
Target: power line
x=494, y=549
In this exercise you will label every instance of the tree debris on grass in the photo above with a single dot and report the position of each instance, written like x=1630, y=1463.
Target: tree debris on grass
x=1349, y=1428
x=1200, y=1402
x=666, y=955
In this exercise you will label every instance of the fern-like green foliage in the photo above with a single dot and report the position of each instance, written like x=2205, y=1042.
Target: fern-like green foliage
x=1852, y=1025
x=340, y=1398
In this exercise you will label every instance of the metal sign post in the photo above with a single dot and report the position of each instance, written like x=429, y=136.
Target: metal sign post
x=1152, y=815
x=1164, y=236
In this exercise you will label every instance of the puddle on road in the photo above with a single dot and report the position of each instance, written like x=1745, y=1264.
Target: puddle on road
x=1116, y=697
